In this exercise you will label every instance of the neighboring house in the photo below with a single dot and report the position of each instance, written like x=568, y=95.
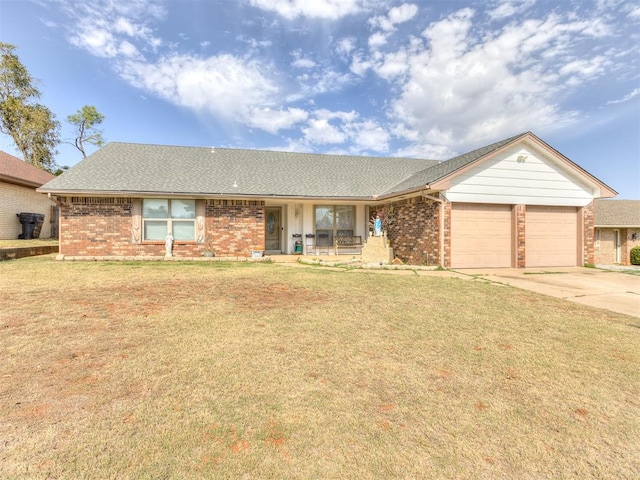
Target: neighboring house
x=617, y=230
x=18, y=183
x=515, y=203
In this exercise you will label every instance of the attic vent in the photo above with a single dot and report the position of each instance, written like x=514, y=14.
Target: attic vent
x=99, y=200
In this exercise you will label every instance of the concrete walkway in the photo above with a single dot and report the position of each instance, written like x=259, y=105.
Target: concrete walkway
x=610, y=290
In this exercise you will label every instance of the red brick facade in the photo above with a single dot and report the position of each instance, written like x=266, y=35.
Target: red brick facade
x=415, y=234
x=106, y=227
x=520, y=220
x=234, y=227
x=588, y=235
x=420, y=233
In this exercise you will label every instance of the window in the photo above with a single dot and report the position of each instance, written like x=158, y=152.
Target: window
x=332, y=221
x=161, y=216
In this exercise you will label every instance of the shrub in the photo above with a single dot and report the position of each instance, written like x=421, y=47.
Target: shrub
x=635, y=256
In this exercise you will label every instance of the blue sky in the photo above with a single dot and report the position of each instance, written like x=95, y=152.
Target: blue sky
x=426, y=79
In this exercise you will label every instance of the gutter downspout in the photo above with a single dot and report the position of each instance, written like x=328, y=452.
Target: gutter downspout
x=441, y=232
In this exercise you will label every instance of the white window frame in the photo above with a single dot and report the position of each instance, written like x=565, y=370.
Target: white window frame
x=169, y=220
x=335, y=228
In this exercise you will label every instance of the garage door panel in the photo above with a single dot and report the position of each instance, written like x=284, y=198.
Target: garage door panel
x=481, y=236
x=551, y=236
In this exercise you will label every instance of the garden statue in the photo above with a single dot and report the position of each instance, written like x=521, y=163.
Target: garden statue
x=377, y=226
x=168, y=245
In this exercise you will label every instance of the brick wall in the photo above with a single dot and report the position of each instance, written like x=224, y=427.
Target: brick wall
x=96, y=227
x=628, y=242
x=16, y=199
x=446, y=237
x=414, y=235
x=520, y=214
x=588, y=219
x=234, y=227
x=605, y=253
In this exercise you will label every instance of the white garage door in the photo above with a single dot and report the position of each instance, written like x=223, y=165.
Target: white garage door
x=481, y=235
x=551, y=236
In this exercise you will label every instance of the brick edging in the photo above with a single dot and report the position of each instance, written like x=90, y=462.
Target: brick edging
x=22, y=252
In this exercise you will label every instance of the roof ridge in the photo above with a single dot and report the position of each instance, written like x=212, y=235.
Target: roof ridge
x=271, y=151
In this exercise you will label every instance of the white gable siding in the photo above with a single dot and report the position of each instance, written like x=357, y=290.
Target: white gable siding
x=536, y=180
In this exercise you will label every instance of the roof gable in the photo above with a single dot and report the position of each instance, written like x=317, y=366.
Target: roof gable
x=530, y=141
x=443, y=169
x=13, y=170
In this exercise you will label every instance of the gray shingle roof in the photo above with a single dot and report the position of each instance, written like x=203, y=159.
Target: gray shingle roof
x=617, y=213
x=126, y=167
x=138, y=169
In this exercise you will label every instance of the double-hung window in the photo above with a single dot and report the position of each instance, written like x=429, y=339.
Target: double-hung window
x=161, y=216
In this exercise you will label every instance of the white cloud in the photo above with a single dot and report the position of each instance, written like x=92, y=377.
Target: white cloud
x=345, y=47
x=394, y=65
x=377, y=40
x=338, y=127
x=396, y=16
x=324, y=9
x=634, y=12
x=426, y=151
x=299, y=60
x=359, y=66
x=321, y=81
x=387, y=23
x=223, y=85
x=320, y=131
x=101, y=26
x=96, y=40
x=273, y=121
x=626, y=98
x=403, y=13
x=303, y=63
x=460, y=89
x=582, y=70
x=369, y=136
x=508, y=8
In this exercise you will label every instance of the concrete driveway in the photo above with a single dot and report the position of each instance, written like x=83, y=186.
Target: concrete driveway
x=615, y=291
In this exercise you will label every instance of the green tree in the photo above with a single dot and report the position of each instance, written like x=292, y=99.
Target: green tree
x=32, y=126
x=85, y=122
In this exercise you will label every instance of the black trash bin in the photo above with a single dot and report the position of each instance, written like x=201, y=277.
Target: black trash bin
x=31, y=225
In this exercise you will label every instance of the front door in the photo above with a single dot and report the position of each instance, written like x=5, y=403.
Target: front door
x=273, y=229
x=616, y=246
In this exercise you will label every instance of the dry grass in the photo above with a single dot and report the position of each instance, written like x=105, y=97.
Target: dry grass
x=164, y=370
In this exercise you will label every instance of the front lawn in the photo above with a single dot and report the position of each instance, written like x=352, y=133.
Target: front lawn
x=211, y=370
